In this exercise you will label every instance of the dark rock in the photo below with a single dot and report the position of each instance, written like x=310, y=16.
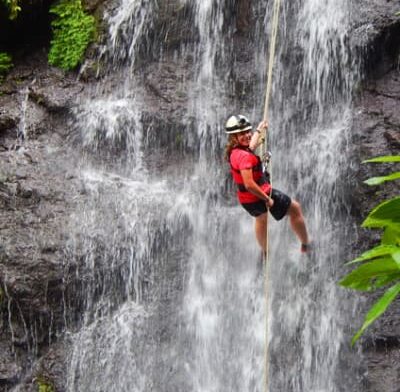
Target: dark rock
x=377, y=132
x=376, y=29
x=393, y=138
x=243, y=15
x=52, y=366
x=55, y=98
x=7, y=122
x=92, y=5
x=383, y=370
x=50, y=370
x=10, y=371
x=24, y=192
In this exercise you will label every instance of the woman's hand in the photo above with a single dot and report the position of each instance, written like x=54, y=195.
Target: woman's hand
x=263, y=126
x=269, y=202
x=259, y=135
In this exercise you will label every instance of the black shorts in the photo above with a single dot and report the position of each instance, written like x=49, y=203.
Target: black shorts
x=278, y=210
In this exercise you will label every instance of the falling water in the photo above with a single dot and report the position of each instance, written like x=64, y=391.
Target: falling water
x=172, y=292
x=21, y=130
x=310, y=121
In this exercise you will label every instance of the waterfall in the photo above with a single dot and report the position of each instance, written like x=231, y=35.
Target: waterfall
x=22, y=126
x=171, y=291
x=310, y=122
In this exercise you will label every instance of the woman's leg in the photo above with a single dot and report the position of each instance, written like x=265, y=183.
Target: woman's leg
x=261, y=230
x=297, y=221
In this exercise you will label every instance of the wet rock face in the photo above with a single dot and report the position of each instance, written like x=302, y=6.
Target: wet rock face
x=376, y=29
x=38, y=190
x=376, y=132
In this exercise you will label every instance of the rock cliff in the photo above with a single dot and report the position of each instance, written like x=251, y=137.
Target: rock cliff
x=376, y=131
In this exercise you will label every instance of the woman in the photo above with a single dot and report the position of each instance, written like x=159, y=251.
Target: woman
x=255, y=193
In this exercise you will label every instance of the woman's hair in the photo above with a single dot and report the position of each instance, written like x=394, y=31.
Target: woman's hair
x=230, y=145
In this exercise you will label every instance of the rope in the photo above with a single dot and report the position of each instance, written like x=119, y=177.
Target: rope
x=272, y=47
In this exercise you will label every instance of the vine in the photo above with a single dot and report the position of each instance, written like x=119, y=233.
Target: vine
x=73, y=31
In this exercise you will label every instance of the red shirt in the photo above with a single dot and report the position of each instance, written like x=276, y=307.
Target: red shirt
x=242, y=159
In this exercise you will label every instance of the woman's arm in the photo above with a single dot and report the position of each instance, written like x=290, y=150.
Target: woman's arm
x=255, y=139
x=253, y=187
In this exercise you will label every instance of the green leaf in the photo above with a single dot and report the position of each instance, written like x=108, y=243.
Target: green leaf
x=380, y=250
x=385, y=280
x=387, y=158
x=396, y=257
x=385, y=214
x=391, y=235
x=363, y=277
x=377, y=309
x=381, y=180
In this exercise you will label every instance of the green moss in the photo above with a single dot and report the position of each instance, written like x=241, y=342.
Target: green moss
x=178, y=139
x=73, y=31
x=5, y=65
x=44, y=385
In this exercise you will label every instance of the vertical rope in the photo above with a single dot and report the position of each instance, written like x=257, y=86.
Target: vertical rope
x=272, y=48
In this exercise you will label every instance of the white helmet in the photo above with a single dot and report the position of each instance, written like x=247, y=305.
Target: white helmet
x=236, y=124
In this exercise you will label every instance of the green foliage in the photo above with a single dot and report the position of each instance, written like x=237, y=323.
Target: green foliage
x=73, y=30
x=380, y=266
x=386, y=214
x=5, y=64
x=381, y=180
x=369, y=275
x=390, y=177
x=377, y=309
x=44, y=385
x=13, y=8
x=387, y=158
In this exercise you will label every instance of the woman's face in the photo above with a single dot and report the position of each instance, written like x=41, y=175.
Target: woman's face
x=244, y=138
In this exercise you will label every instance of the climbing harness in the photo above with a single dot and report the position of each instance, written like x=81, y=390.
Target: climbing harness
x=266, y=158
x=258, y=170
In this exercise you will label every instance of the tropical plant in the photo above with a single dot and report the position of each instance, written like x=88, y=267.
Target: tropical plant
x=380, y=266
x=13, y=8
x=5, y=64
x=73, y=30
